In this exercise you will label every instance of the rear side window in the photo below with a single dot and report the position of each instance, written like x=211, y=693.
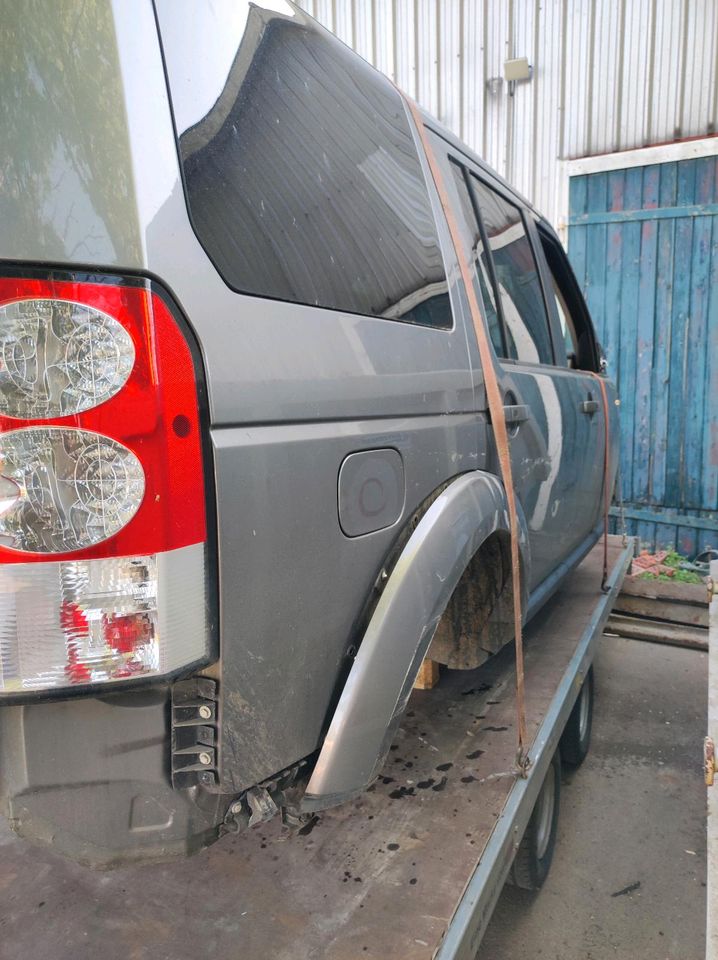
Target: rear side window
x=304, y=183
x=579, y=342
x=526, y=324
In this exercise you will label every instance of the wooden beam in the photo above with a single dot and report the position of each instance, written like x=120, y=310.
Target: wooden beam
x=658, y=631
x=691, y=614
x=428, y=676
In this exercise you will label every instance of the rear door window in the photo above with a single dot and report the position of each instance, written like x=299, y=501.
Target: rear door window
x=304, y=183
x=526, y=323
x=579, y=341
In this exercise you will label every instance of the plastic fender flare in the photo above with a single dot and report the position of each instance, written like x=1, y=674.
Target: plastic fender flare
x=400, y=630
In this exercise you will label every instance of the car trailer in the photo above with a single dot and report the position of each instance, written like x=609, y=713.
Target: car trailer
x=411, y=870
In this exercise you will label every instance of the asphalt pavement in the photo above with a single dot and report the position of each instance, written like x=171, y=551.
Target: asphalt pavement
x=628, y=875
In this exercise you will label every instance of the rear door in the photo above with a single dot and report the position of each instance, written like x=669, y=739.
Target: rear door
x=577, y=358
x=550, y=435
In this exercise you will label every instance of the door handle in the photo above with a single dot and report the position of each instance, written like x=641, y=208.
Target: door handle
x=516, y=413
x=589, y=406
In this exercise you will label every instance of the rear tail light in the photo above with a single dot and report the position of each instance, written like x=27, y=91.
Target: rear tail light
x=74, y=488
x=59, y=357
x=103, y=566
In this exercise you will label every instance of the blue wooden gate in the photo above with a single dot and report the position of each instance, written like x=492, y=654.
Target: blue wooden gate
x=644, y=244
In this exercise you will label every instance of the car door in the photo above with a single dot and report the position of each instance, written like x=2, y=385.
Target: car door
x=547, y=431
x=577, y=362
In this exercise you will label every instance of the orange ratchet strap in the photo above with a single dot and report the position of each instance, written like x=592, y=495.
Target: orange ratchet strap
x=496, y=412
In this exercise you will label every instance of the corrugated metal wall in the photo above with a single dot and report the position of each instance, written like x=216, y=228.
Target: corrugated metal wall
x=608, y=74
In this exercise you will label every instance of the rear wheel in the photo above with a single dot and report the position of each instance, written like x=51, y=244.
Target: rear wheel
x=576, y=738
x=533, y=857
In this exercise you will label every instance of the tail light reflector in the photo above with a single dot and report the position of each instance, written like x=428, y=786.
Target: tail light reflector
x=74, y=488
x=77, y=622
x=59, y=357
x=103, y=563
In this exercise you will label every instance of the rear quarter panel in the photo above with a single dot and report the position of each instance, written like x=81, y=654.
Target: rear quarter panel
x=293, y=390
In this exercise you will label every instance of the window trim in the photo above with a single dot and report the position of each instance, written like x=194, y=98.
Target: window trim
x=527, y=226
x=466, y=174
x=575, y=296
x=231, y=285
x=459, y=154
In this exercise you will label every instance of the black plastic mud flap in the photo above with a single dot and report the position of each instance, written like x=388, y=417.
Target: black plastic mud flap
x=93, y=778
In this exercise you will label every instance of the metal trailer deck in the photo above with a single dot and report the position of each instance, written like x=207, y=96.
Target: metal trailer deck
x=410, y=870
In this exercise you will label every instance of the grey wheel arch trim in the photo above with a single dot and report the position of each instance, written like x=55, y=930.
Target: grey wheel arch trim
x=462, y=517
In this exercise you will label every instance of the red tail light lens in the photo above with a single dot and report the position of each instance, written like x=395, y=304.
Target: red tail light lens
x=102, y=494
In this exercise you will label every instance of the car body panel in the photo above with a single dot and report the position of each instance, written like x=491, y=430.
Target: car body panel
x=461, y=518
x=95, y=183
x=298, y=585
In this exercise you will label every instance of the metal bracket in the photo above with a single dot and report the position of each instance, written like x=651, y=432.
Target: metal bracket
x=194, y=733
x=710, y=767
x=261, y=805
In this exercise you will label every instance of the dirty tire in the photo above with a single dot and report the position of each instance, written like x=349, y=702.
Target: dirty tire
x=533, y=857
x=576, y=737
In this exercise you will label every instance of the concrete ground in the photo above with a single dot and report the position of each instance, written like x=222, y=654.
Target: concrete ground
x=628, y=875
x=627, y=878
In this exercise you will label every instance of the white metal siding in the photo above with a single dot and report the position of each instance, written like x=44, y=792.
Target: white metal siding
x=608, y=74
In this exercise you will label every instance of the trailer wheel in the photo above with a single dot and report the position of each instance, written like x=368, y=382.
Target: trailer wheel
x=576, y=738
x=533, y=857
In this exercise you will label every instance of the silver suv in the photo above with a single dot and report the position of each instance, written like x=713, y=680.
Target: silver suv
x=248, y=480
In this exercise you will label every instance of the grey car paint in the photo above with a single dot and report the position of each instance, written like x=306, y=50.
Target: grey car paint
x=400, y=631
x=95, y=182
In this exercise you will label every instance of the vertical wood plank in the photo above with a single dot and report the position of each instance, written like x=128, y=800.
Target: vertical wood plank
x=612, y=270
x=662, y=338
x=646, y=533
x=595, y=289
x=645, y=327
x=709, y=495
x=695, y=400
x=577, y=236
x=680, y=326
x=627, y=322
x=686, y=540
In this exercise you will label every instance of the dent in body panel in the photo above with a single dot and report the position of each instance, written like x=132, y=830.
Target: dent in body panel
x=66, y=185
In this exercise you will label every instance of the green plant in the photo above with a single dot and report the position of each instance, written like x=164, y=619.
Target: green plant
x=674, y=559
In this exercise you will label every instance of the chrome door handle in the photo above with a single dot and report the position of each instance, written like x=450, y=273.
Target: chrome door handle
x=516, y=413
x=589, y=406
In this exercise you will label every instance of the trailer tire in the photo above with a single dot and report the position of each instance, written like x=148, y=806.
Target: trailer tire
x=576, y=737
x=535, y=853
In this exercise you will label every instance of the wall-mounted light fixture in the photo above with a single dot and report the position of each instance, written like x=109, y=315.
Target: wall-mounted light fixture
x=516, y=71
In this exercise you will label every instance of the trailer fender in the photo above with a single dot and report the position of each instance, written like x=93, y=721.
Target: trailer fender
x=400, y=630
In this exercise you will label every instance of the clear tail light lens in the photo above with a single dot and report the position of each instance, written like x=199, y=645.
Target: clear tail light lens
x=58, y=358
x=103, y=561
x=74, y=489
x=77, y=622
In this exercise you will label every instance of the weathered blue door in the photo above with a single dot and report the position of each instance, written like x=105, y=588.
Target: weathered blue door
x=644, y=244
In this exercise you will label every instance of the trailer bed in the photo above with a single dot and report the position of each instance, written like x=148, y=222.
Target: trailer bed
x=410, y=870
